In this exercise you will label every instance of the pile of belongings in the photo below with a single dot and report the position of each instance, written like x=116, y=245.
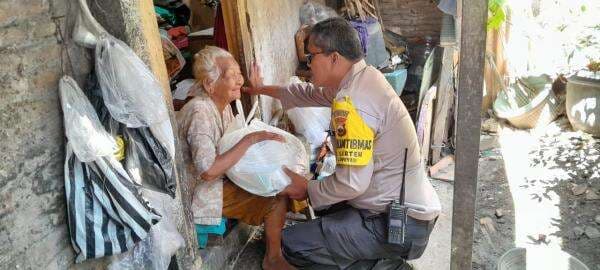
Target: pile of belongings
x=173, y=58
x=313, y=124
x=172, y=17
x=120, y=183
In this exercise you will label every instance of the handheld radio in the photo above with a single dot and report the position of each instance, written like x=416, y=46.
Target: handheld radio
x=397, y=213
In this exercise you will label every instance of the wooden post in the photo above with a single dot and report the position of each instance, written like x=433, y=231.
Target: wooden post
x=472, y=15
x=239, y=39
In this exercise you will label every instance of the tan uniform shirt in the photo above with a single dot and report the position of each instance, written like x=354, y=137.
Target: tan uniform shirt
x=201, y=126
x=378, y=183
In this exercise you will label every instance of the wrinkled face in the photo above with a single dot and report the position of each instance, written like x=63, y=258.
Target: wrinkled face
x=227, y=86
x=321, y=64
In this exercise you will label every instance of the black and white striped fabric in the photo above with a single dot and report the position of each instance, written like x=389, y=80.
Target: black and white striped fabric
x=106, y=212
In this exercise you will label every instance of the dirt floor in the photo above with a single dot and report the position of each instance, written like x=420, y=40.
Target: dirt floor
x=546, y=184
x=437, y=253
x=537, y=189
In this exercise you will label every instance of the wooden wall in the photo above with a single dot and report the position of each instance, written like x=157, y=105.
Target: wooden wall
x=412, y=18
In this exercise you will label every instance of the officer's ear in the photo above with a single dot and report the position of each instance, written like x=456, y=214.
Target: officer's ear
x=335, y=57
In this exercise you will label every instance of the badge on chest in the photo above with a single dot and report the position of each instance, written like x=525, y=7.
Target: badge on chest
x=354, y=138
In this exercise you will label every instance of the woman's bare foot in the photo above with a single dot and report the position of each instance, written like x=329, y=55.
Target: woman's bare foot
x=276, y=263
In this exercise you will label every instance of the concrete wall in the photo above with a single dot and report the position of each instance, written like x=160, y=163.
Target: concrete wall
x=272, y=25
x=33, y=231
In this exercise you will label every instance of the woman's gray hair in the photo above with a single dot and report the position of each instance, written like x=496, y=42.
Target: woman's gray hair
x=205, y=64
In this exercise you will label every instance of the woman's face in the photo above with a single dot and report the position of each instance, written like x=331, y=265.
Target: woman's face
x=227, y=86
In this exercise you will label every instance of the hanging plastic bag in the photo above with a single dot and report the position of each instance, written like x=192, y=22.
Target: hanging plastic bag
x=154, y=252
x=86, y=135
x=147, y=161
x=130, y=91
x=260, y=171
x=105, y=210
x=163, y=132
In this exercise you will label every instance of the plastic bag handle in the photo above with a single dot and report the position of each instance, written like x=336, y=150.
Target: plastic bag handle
x=252, y=111
x=240, y=109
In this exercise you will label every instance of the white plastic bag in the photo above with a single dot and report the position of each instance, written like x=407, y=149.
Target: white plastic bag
x=311, y=122
x=313, y=12
x=155, y=251
x=260, y=170
x=130, y=91
x=86, y=135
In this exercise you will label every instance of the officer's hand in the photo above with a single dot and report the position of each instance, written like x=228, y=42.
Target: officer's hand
x=298, y=189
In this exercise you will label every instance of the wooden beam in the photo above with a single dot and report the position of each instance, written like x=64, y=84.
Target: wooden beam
x=472, y=15
x=443, y=105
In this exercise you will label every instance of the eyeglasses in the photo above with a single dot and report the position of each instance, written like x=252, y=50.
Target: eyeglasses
x=309, y=57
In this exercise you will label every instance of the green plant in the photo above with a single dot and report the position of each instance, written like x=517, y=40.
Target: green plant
x=496, y=14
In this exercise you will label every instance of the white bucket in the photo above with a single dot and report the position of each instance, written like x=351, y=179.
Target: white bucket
x=538, y=258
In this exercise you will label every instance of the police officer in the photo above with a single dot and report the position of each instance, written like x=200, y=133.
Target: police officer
x=370, y=130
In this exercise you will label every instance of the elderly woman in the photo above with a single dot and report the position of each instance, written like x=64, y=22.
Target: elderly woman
x=202, y=122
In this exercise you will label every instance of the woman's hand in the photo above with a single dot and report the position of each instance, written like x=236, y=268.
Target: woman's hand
x=259, y=136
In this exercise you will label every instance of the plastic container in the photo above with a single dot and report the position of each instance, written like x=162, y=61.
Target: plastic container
x=529, y=104
x=397, y=79
x=538, y=258
x=583, y=102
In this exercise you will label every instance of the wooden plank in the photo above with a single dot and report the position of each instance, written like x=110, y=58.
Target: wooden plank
x=472, y=17
x=378, y=11
x=239, y=39
x=359, y=8
x=424, y=123
x=443, y=163
x=443, y=170
x=143, y=35
x=444, y=104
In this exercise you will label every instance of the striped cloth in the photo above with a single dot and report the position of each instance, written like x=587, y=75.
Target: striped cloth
x=105, y=210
